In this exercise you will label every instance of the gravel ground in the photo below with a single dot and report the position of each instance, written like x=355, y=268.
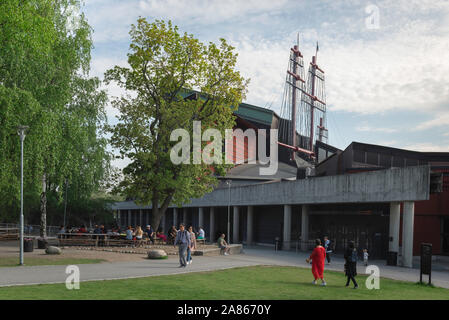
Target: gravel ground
x=109, y=254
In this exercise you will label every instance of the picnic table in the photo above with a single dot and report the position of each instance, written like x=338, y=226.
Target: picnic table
x=9, y=233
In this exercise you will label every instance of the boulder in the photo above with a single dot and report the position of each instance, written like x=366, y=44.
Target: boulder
x=157, y=254
x=53, y=250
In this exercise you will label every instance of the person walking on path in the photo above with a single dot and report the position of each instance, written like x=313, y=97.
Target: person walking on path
x=182, y=240
x=318, y=255
x=328, y=247
x=192, y=247
x=351, y=264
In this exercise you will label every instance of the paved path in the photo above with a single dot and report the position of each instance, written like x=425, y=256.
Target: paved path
x=252, y=256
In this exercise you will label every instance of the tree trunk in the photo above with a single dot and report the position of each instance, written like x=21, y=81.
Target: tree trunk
x=157, y=213
x=43, y=224
x=156, y=216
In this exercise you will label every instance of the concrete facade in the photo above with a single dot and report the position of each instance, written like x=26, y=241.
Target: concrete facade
x=287, y=227
x=249, y=225
x=304, y=226
x=407, y=233
x=393, y=185
x=267, y=208
x=236, y=223
x=395, y=217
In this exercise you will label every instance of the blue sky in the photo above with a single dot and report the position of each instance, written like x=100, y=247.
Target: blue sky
x=386, y=85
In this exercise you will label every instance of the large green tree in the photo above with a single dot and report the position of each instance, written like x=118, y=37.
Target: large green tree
x=163, y=64
x=44, y=62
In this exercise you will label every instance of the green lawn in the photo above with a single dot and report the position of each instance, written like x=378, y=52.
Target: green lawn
x=30, y=261
x=260, y=282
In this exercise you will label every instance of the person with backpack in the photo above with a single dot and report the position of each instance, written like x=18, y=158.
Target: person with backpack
x=351, y=264
x=328, y=247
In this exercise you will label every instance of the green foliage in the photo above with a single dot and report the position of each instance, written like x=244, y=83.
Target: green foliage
x=44, y=84
x=164, y=63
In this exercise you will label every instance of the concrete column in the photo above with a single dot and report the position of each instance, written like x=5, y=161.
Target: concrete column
x=304, y=226
x=184, y=216
x=175, y=217
x=119, y=218
x=249, y=226
x=211, y=235
x=235, y=228
x=129, y=218
x=407, y=234
x=200, y=217
x=140, y=217
x=395, y=218
x=287, y=226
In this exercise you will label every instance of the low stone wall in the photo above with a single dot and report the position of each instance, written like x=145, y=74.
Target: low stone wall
x=207, y=250
x=235, y=249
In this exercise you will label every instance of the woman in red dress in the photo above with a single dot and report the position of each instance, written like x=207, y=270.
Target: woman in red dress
x=318, y=256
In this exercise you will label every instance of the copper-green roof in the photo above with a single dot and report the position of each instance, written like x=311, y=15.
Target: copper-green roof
x=245, y=110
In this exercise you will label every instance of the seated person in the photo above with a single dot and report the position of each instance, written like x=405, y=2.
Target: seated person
x=223, y=245
x=129, y=233
x=160, y=235
x=150, y=233
x=201, y=234
x=139, y=233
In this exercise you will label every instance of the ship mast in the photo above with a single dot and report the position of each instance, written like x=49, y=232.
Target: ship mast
x=303, y=102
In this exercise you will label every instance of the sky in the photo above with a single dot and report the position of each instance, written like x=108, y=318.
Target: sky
x=386, y=62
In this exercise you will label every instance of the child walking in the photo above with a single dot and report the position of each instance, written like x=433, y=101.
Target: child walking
x=365, y=256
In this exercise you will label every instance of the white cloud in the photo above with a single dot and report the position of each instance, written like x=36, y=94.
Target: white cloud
x=375, y=129
x=440, y=120
x=208, y=12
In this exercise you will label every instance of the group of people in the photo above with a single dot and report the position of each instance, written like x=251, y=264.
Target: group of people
x=185, y=239
x=320, y=253
x=200, y=234
x=97, y=229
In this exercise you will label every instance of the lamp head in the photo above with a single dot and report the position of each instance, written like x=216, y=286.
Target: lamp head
x=21, y=130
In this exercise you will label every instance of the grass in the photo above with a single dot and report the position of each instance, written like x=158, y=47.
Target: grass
x=254, y=283
x=31, y=261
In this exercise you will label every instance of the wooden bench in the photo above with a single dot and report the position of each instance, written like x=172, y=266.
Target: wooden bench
x=77, y=242
x=9, y=236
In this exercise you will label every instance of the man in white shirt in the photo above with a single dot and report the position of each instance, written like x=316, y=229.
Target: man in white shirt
x=201, y=233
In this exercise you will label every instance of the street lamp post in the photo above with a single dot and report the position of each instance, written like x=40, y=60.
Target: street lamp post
x=21, y=132
x=228, y=182
x=65, y=202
